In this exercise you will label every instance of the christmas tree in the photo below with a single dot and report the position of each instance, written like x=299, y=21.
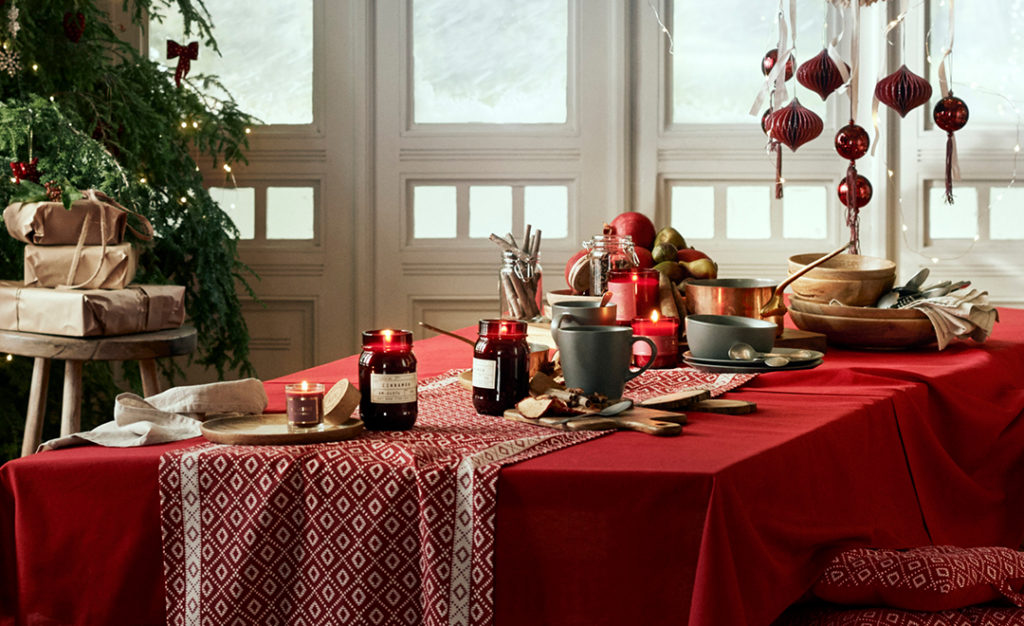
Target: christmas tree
x=80, y=108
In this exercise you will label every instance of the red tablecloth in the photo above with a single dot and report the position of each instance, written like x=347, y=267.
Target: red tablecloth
x=727, y=524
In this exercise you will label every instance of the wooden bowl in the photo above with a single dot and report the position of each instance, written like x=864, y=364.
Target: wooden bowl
x=870, y=312
x=852, y=279
x=867, y=332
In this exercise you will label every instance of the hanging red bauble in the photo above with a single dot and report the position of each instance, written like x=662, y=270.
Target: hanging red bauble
x=28, y=171
x=852, y=142
x=862, y=188
x=820, y=74
x=903, y=91
x=765, y=120
x=185, y=55
x=794, y=125
x=74, y=25
x=950, y=114
x=771, y=57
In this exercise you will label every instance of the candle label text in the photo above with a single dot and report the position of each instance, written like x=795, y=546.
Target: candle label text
x=484, y=373
x=392, y=388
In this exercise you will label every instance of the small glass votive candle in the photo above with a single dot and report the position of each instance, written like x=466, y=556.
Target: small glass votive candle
x=634, y=293
x=664, y=332
x=387, y=380
x=305, y=404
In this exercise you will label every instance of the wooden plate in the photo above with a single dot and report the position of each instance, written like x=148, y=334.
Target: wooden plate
x=272, y=430
x=838, y=310
x=866, y=332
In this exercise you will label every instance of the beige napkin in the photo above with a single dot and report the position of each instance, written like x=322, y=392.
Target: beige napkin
x=961, y=314
x=172, y=415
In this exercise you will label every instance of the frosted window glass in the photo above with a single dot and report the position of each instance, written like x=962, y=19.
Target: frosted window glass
x=434, y=213
x=547, y=208
x=747, y=213
x=693, y=211
x=1006, y=216
x=804, y=213
x=290, y=212
x=490, y=62
x=490, y=210
x=986, y=71
x=240, y=205
x=728, y=39
x=952, y=221
x=266, y=59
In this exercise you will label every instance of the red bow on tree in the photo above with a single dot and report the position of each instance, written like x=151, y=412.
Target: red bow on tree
x=28, y=171
x=185, y=54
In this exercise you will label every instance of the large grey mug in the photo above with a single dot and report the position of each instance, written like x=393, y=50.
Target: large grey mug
x=580, y=314
x=596, y=358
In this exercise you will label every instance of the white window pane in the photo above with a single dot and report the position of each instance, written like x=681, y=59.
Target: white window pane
x=490, y=62
x=490, y=210
x=952, y=221
x=1006, y=216
x=547, y=208
x=804, y=212
x=693, y=211
x=290, y=212
x=266, y=59
x=748, y=213
x=240, y=205
x=728, y=38
x=434, y=212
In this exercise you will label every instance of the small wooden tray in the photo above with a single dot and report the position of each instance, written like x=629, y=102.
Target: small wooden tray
x=641, y=419
x=271, y=429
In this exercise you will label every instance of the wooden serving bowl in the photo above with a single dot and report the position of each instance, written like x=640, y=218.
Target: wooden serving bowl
x=852, y=279
x=864, y=327
x=869, y=312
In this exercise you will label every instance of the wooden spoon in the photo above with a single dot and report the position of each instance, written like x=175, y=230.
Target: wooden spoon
x=449, y=333
x=775, y=305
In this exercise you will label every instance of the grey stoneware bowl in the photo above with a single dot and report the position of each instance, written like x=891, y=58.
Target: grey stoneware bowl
x=711, y=336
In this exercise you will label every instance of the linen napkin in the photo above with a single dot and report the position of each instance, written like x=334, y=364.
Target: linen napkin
x=172, y=415
x=959, y=315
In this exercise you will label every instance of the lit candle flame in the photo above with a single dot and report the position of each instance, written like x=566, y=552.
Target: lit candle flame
x=387, y=335
x=654, y=316
x=305, y=385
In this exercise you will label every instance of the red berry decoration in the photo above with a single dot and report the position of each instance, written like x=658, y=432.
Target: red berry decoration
x=862, y=195
x=950, y=114
x=820, y=74
x=771, y=58
x=74, y=25
x=28, y=171
x=903, y=91
x=53, y=191
x=795, y=125
x=852, y=141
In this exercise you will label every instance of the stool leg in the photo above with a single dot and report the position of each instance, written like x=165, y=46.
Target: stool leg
x=36, y=406
x=71, y=405
x=150, y=381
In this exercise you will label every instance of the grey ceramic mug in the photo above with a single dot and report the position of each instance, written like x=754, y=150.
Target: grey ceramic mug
x=580, y=314
x=596, y=358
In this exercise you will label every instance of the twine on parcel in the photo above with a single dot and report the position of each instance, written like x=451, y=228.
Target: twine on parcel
x=172, y=415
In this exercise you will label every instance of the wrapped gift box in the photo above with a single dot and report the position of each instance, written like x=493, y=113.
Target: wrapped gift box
x=91, y=312
x=49, y=223
x=110, y=267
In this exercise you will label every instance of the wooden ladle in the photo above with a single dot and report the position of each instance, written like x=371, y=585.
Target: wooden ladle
x=775, y=305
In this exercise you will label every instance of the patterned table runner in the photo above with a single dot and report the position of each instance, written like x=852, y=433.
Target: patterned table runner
x=388, y=528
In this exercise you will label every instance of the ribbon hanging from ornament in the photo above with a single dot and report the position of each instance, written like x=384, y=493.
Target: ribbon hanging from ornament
x=950, y=114
x=185, y=56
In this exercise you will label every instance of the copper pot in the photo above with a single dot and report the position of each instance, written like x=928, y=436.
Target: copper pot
x=731, y=296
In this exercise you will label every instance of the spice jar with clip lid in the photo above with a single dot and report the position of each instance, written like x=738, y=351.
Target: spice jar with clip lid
x=608, y=253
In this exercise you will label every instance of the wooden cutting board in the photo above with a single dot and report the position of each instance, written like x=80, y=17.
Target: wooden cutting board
x=701, y=401
x=272, y=429
x=640, y=419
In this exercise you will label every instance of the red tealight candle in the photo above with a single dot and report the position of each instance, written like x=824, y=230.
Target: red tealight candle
x=663, y=332
x=634, y=293
x=305, y=404
x=387, y=380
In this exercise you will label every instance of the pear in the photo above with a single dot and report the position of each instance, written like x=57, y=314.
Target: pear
x=673, y=270
x=664, y=252
x=670, y=235
x=700, y=268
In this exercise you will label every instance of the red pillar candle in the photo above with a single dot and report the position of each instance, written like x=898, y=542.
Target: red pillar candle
x=634, y=293
x=663, y=332
x=387, y=380
x=305, y=404
x=501, y=366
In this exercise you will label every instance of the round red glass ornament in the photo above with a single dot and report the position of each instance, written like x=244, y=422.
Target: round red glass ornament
x=820, y=74
x=903, y=91
x=950, y=113
x=765, y=121
x=863, y=191
x=795, y=125
x=771, y=58
x=852, y=141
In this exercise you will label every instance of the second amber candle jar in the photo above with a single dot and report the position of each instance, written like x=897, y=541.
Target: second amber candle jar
x=387, y=380
x=501, y=366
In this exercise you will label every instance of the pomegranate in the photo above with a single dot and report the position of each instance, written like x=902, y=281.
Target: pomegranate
x=636, y=225
x=646, y=259
x=577, y=272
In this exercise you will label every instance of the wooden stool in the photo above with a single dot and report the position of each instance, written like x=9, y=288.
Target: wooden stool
x=141, y=347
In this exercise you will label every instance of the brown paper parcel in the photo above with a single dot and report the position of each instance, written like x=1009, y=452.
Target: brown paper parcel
x=49, y=223
x=48, y=266
x=91, y=312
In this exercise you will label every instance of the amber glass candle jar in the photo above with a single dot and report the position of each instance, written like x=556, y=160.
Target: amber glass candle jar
x=501, y=366
x=387, y=380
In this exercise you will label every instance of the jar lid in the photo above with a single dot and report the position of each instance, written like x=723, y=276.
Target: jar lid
x=509, y=329
x=387, y=339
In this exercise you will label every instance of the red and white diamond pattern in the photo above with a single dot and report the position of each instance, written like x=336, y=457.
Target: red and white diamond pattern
x=838, y=616
x=389, y=528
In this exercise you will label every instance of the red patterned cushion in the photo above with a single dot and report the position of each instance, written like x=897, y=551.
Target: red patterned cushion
x=971, y=616
x=932, y=578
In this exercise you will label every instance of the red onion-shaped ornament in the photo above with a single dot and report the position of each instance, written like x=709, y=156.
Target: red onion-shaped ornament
x=765, y=118
x=862, y=192
x=852, y=141
x=903, y=91
x=820, y=74
x=771, y=58
x=794, y=125
x=950, y=114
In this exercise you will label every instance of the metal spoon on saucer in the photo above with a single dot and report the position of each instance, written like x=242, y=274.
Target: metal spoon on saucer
x=746, y=352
